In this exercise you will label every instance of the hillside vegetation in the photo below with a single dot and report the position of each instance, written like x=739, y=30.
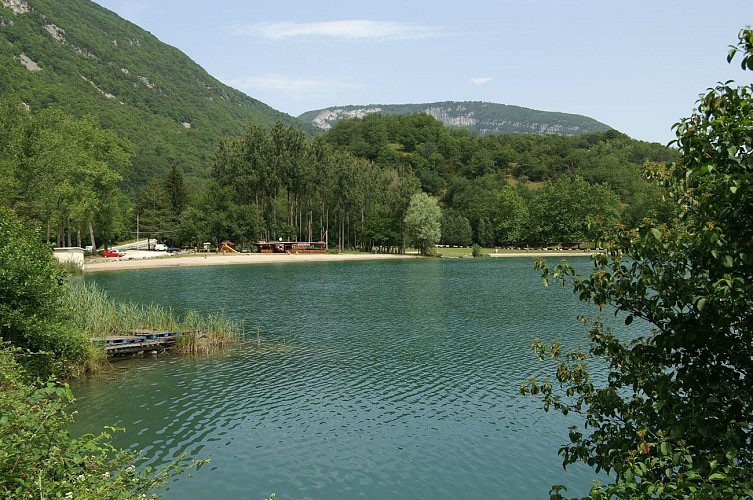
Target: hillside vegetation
x=84, y=59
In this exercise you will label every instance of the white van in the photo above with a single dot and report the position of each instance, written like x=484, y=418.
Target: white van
x=160, y=247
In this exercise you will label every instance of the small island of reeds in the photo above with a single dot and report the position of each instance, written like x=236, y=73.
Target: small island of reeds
x=99, y=316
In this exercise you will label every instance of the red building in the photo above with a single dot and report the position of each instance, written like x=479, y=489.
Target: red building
x=291, y=247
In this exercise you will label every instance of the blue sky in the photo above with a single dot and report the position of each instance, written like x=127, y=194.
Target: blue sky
x=638, y=66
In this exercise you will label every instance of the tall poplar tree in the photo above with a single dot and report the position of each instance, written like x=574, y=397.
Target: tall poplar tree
x=423, y=223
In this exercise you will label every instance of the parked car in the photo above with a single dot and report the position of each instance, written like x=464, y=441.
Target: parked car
x=112, y=253
x=173, y=250
x=160, y=247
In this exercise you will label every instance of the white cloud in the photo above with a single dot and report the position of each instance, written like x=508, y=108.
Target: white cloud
x=480, y=80
x=354, y=29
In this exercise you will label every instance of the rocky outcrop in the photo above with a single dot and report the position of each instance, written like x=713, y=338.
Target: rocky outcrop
x=17, y=6
x=28, y=63
x=483, y=118
x=326, y=118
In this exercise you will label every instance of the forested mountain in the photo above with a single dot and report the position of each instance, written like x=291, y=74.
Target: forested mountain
x=102, y=125
x=83, y=59
x=484, y=118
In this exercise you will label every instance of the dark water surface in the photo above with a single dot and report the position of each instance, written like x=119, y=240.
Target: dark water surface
x=375, y=380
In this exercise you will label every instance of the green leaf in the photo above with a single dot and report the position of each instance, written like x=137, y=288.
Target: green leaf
x=701, y=303
x=656, y=233
x=664, y=448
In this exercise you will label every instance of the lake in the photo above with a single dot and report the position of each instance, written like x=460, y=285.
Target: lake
x=373, y=379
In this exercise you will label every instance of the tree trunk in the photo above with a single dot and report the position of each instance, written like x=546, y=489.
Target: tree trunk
x=91, y=237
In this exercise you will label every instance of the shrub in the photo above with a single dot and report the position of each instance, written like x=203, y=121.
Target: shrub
x=31, y=288
x=38, y=459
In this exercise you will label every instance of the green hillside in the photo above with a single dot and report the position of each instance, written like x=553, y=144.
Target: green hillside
x=84, y=59
x=483, y=118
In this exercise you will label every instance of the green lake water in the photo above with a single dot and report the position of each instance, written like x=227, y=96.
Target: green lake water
x=375, y=380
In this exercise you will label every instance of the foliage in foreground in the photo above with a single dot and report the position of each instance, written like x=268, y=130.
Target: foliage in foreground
x=38, y=459
x=39, y=337
x=674, y=417
x=31, y=312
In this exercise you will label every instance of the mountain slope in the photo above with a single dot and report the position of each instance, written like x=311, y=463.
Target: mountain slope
x=84, y=59
x=484, y=118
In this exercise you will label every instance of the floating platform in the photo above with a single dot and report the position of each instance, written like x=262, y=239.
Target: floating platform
x=143, y=341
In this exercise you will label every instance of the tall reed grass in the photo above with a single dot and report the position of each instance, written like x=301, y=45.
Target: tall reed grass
x=99, y=316
x=204, y=334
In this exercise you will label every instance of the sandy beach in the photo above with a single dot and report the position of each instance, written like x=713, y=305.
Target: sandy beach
x=138, y=260
x=135, y=259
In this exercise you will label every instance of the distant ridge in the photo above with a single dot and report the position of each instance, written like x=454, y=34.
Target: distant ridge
x=485, y=118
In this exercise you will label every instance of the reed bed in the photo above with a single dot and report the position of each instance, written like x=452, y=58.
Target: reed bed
x=99, y=316
x=204, y=334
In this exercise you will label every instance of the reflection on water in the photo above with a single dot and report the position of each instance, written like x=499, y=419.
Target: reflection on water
x=370, y=380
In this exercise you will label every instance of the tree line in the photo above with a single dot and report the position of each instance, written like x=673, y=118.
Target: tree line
x=63, y=173
x=350, y=188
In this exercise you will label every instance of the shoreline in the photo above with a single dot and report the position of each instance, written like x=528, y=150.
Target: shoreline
x=214, y=259
x=195, y=260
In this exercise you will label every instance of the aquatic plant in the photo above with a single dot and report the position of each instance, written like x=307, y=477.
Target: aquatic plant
x=99, y=316
x=204, y=334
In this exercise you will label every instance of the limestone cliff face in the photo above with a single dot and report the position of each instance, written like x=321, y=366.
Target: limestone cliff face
x=482, y=117
x=17, y=6
x=327, y=117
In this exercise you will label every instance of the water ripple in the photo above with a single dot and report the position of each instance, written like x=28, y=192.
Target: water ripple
x=370, y=380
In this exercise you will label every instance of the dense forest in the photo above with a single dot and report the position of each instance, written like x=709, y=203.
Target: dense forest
x=350, y=188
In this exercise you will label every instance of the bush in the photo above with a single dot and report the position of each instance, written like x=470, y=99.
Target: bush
x=673, y=418
x=38, y=459
x=31, y=288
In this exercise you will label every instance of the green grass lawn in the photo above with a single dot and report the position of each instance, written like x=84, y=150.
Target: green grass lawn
x=458, y=251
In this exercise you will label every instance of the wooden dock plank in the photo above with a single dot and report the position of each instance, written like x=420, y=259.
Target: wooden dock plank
x=144, y=341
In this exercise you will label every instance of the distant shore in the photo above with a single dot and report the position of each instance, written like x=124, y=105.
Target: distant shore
x=147, y=260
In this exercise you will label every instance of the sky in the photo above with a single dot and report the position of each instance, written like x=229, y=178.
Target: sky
x=638, y=66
